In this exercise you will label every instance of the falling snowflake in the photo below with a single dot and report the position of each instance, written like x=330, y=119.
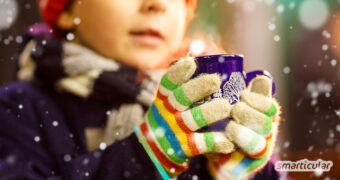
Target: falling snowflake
x=76, y=21
x=197, y=47
x=55, y=123
x=337, y=112
x=70, y=36
x=86, y=161
x=102, y=146
x=19, y=39
x=330, y=139
x=36, y=138
x=221, y=59
x=333, y=62
x=11, y=159
x=310, y=148
x=280, y=8
x=326, y=34
x=7, y=41
x=170, y=151
x=318, y=172
x=338, y=128
x=271, y=27
x=67, y=158
x=127, y=174
x=286, y=144
x=159, y=132
x=317, y=88
x=286, y=70
x=234, y=87
x=277, y=38
x=277, y=149
x=224, y=77
x=327, y=94
x=314, y=102
x=28, y=6
x=324, y=47
x=97, y=154
x=331, y=133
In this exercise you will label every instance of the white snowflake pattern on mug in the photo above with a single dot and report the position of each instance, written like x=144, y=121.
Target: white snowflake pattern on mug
x=233, y=87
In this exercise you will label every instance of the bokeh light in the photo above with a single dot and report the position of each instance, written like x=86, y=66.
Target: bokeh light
x=313, y=14
x=8, y=13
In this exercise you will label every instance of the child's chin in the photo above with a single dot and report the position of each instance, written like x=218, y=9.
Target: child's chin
x=148, y=66
x=140, y=64
x=144, y=62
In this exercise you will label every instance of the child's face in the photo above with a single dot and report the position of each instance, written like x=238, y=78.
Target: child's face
x=139, y=33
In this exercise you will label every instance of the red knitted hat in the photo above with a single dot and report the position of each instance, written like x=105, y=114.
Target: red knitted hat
x=51, y=9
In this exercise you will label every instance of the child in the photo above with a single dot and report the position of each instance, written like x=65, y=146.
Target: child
x=74, y=117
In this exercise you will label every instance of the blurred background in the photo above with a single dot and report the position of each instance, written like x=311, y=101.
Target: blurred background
x=298, y=41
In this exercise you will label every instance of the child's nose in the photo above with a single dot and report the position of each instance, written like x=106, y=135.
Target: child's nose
x=149, y=6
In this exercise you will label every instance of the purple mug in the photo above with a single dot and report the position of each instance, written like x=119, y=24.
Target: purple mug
x=234, y=80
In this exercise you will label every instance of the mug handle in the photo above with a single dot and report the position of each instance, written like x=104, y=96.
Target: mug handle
x=253, y=74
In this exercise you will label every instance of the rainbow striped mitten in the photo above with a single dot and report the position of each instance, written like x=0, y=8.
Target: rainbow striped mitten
x=253, y=130
x=168, y=133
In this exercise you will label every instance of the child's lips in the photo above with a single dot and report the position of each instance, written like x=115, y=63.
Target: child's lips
x=147, y=38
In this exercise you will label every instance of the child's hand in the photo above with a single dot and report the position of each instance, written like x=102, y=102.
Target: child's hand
x=168, y=134
x=253, y=130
